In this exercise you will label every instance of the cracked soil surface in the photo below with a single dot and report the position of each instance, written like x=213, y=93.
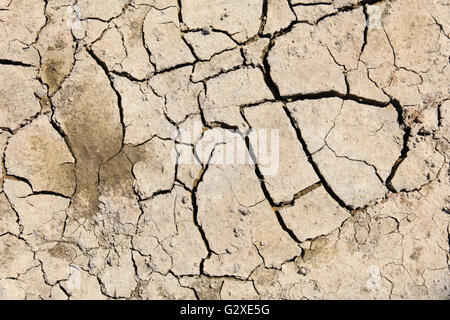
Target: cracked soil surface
x=99, y=100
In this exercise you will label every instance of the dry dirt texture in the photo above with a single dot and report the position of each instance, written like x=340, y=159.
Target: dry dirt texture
x=99, y=98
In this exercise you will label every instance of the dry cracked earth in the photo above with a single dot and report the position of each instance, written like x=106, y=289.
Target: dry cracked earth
x=99, y=100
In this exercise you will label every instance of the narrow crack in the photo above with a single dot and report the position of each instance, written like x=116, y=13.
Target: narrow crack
x=313, y=164
x=119, y=97
x=195, y=211
x=267, y=194
x=15, y=63
x=276, y=93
